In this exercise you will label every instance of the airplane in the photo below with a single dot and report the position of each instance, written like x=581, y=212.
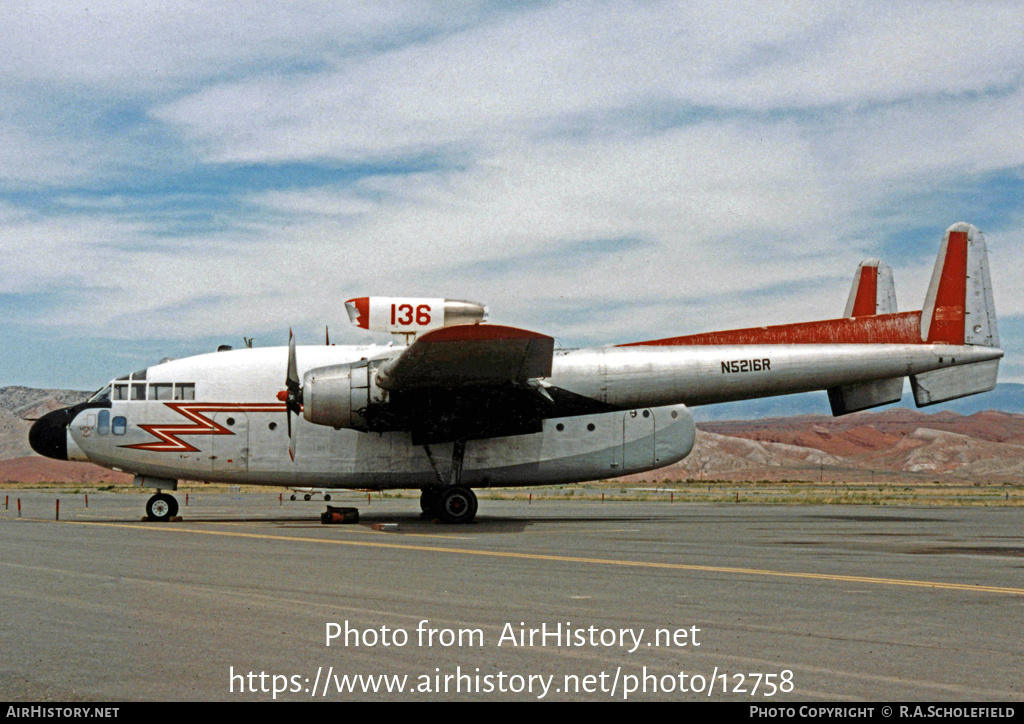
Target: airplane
x=308, y=493
x=463, y=404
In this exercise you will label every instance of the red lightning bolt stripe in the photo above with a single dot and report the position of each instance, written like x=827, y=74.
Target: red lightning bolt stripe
x=194, y=411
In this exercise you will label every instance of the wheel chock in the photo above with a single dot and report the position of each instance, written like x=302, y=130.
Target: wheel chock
x=336, y=515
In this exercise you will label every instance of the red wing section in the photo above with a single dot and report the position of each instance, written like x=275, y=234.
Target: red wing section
x=470, y=355
x=901, y=328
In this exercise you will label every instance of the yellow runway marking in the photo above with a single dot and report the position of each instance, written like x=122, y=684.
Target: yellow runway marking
x=359, y=530
x=576, y=559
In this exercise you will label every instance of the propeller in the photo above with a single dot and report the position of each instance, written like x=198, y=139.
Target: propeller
x=292, y=394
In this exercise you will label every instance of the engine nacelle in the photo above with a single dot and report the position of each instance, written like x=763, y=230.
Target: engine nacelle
x=412, y=316
x=337, y=395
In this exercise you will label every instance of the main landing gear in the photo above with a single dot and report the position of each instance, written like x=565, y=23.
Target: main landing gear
x=452, y=504
x=449, y=500
x=161, y=507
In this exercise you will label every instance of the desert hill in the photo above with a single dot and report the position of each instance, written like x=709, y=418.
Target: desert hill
x=896, y=444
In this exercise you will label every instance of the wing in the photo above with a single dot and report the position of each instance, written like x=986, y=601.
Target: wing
x=466, y=382
x=470, y=355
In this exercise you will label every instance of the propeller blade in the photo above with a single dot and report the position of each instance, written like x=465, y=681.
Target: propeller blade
x=292, y=381
x=293, y=398
x=291, y=440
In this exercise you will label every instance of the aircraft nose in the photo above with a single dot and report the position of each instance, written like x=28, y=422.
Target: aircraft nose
x=49, y=434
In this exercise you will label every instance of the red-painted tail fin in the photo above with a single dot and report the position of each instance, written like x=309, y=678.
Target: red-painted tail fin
x=959, y=308
x=873, y=291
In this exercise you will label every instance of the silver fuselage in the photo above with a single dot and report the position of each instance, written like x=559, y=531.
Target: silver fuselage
x=231, y=425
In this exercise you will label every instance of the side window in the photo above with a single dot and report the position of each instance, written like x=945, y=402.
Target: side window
x=185, y=391
x=121, y=391
x=139, y=391
x=103, y=426
x=120, y=425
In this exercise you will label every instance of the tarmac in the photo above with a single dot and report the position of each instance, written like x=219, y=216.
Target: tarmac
x=249, y=597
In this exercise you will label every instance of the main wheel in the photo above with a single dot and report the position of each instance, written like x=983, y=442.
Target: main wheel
x=161, y=507
x=457, y=505
x=430, y=502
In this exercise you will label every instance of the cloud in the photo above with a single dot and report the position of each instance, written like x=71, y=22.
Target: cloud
x=604, y=171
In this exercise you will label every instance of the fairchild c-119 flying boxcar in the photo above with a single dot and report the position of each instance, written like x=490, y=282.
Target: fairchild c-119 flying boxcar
x=461, y=404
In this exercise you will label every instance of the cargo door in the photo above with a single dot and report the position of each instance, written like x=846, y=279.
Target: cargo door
x=638, y=440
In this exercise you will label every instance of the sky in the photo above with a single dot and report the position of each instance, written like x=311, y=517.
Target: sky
x=175, y=176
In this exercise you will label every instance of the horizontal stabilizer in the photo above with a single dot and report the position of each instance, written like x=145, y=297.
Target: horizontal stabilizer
x=953, y=382
x=865, y=395
x=873, y=291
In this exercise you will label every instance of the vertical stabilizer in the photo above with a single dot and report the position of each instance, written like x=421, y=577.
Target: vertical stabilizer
x=959, y=310
x=959, y=307
x=873, y=291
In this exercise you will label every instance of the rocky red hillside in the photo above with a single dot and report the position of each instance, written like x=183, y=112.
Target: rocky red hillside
x=890, y=445
x=865, y=431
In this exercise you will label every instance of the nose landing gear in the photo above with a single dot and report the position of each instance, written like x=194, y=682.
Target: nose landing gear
x=161, y=507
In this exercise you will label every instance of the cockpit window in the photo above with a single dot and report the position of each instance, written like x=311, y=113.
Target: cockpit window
x=137, y=391
x=161, y=390
x=101, y=395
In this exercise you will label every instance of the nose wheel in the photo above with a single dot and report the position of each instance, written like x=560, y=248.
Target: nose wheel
x=161, y=507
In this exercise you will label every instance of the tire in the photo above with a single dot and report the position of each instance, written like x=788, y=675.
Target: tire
x=430, y=502
x=457, y=505
x=161, y=507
